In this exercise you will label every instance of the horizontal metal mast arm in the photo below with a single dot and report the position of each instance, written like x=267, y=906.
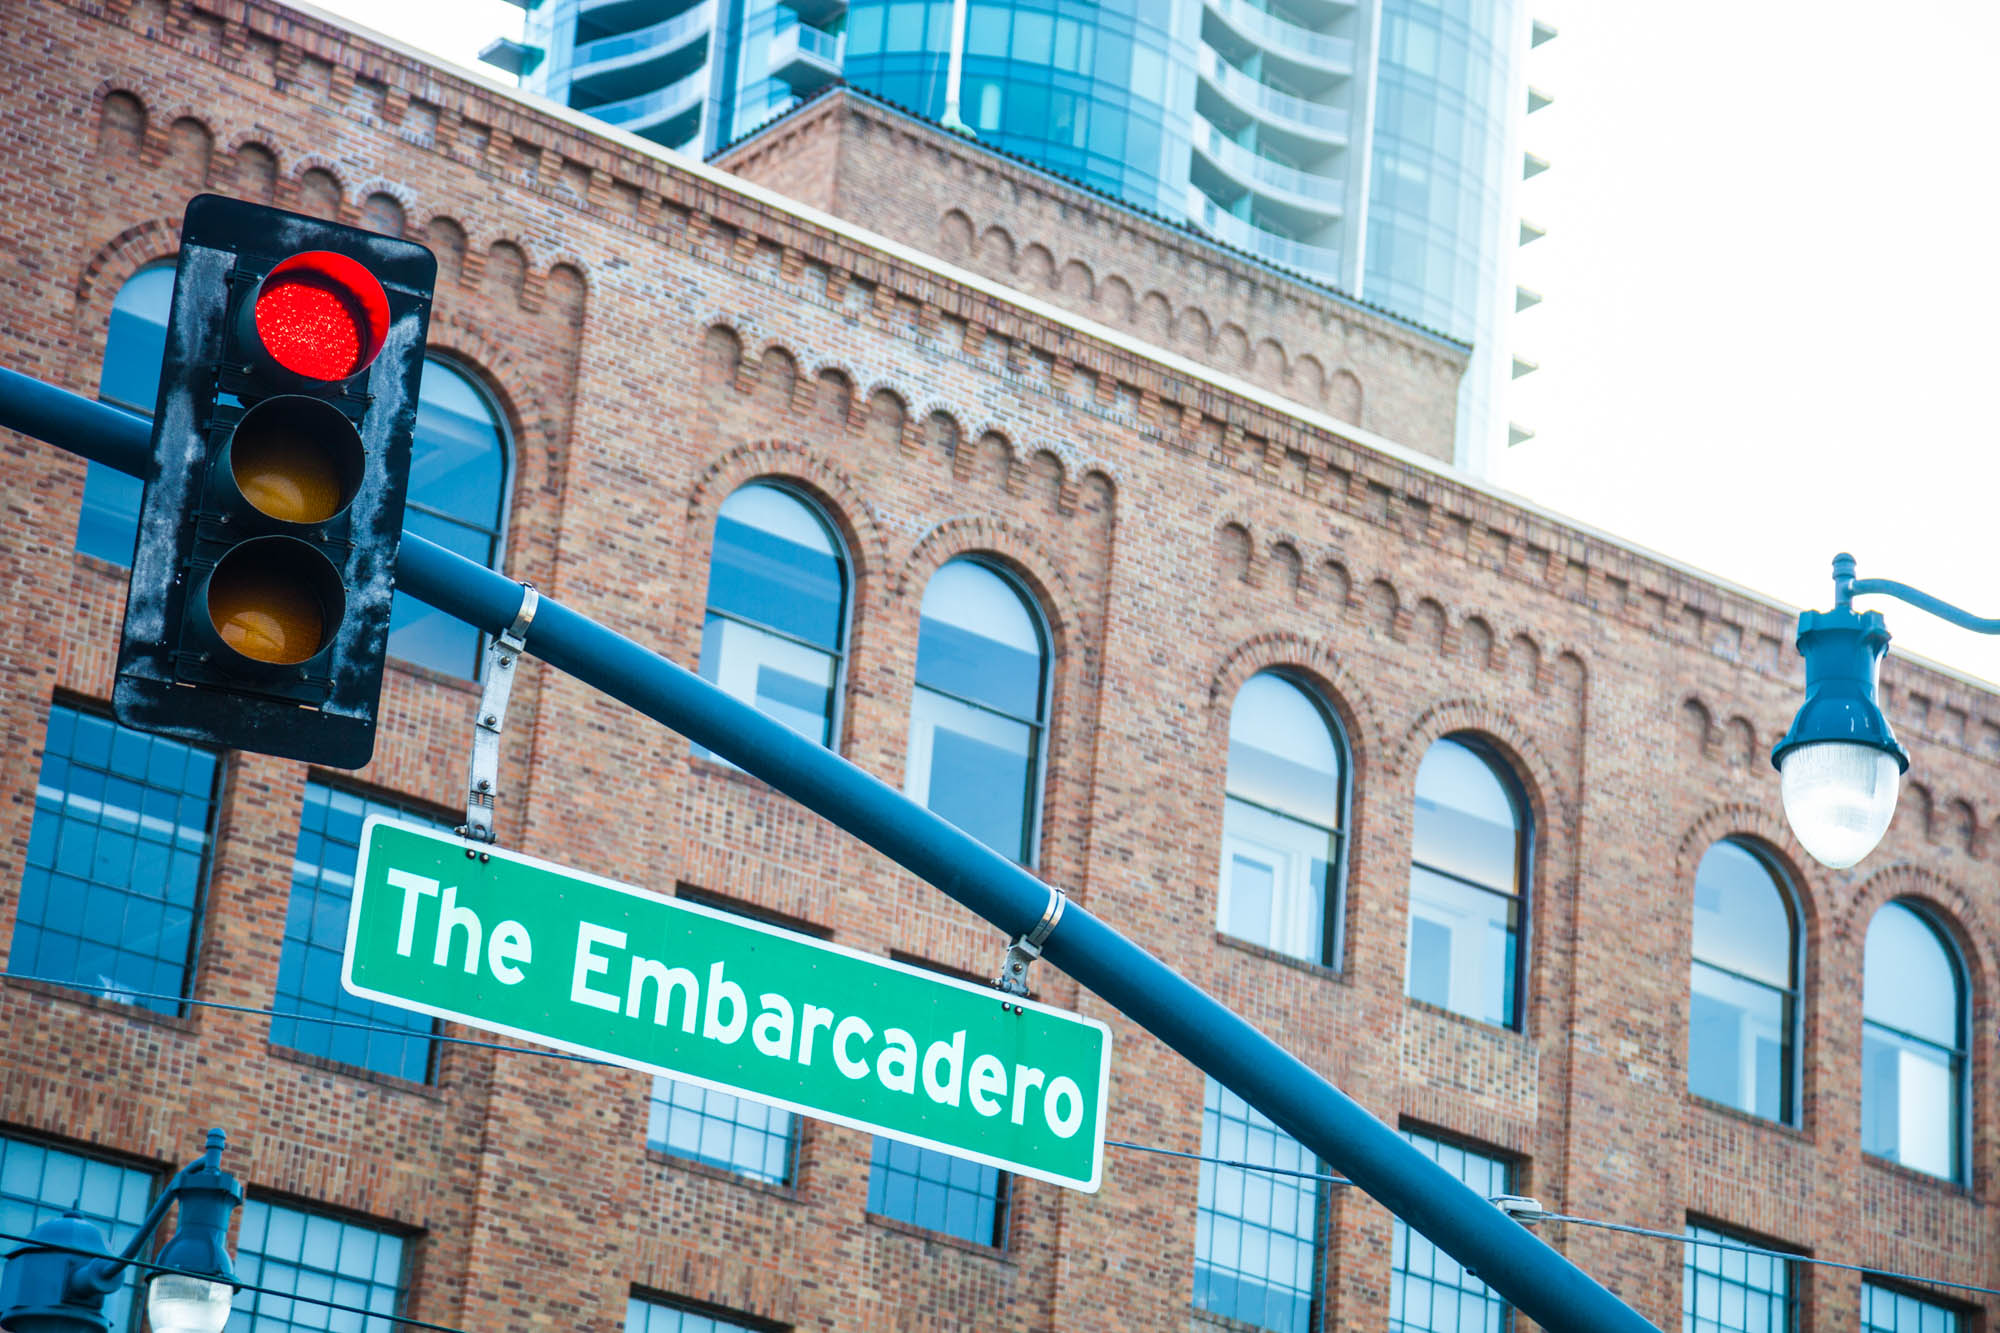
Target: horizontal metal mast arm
x=1532, y=1276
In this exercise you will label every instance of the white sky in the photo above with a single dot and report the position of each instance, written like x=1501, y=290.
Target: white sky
x=1771, y=314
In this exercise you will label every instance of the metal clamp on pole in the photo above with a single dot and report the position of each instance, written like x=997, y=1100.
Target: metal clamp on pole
x=501, y=656
x=1013, y=978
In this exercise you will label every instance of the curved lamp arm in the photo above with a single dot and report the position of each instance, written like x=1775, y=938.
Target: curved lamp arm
x=205, y=1192
x=1846, y=587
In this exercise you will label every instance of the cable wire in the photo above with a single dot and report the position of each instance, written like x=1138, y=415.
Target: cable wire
x=1325, y=1177
x=157, y=1269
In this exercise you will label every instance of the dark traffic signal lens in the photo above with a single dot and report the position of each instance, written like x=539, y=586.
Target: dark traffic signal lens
x=275, y=601
x=296, y=459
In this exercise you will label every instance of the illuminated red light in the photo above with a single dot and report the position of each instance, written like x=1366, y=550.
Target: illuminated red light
x=321, y=315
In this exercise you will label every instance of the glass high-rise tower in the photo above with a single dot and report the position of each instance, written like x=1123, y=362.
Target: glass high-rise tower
x=1372, y=145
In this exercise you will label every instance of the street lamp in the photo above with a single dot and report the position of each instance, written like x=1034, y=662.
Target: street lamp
x=57, y=1281
x=1839, y=765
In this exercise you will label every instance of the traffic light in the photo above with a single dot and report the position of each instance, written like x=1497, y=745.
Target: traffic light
x=258, y=612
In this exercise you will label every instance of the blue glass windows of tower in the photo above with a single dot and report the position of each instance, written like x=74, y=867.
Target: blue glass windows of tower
x=1743, y=1013
x=977, y=713
x=777, y=609
x=1281, y=822
x=1467, y=904
x=1912, y=1044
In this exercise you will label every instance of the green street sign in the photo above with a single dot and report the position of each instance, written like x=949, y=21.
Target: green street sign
x=515, y=945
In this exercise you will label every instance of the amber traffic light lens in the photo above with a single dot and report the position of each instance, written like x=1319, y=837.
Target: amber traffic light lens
x=321, y=315
x=296, y=459
x=275, y=601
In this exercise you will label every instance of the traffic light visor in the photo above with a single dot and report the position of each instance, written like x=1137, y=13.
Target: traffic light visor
x=321, y=315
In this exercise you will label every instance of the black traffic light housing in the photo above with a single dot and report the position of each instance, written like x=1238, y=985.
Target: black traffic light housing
x=258, y=612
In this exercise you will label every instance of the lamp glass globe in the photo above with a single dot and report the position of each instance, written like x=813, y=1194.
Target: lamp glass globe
x=1839, y=797
x=178, y=1303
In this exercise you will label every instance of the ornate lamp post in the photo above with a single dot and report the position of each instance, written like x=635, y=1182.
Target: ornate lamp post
x=57, y=1281
x=1839, y=766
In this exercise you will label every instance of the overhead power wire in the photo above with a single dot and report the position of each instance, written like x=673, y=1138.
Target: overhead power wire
x=1322, y=1176
x=157, y=1269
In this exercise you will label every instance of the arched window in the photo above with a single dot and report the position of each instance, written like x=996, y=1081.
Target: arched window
x=133, y=350
x=458, y=488
x=1281, y=822
x=1467, y=884
x=777, y=608
x=977, y=713
x=1743, y=1013
x=1913, y=1044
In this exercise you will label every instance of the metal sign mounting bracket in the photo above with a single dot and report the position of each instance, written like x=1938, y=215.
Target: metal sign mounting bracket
x=502, y=655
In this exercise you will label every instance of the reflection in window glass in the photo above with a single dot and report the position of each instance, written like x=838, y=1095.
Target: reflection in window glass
x=933, y=1189
x=117, y=859
x=1912, y=1044
x=133, y=349
x=1280, y=838
x=458, y=478
x=299, y=1254
x=1729, y=1291
x=39, y=1184
x=1257, y=1234
x=1744, y=990
x=1465, y=886
x=777, y=603
x=1429, y=1292
x=735, y=1133
x=316, y=937
x=1887, y=1311
x=976, y=714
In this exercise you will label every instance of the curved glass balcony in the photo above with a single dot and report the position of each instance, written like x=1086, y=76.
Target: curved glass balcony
x=1314, y=260
x=806, y=58
x=667, y=115
x=609, y=56
x=1313, y=119
x=1289, y=41
x=1254, y=171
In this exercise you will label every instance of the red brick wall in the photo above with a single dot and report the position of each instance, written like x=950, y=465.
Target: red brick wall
x=657, y=339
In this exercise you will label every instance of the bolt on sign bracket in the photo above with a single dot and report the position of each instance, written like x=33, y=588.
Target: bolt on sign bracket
x=1013, y=978
x=502, y=655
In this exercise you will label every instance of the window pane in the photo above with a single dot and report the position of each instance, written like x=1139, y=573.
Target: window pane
x=1282, y=754
x=1276, y=880
x=302, y=1254
x=118, y=853
x=776, y=565
x=977, y=639
x=39, y=1184
x=323, y=864
x=650, y=1316
x=786, y=679
x=1257, y=1235
x=1909, y=1101
x=1886, y=1311
x=1741, y=921
x=133, y=348
x=1462, y=946
x=975, y=768
x=734, y=1133
x=1909, y=979
x=1739, y=1043
x=1429, y=1291
x=936, y=1190
x=1465, y=823
x=1727, y=1291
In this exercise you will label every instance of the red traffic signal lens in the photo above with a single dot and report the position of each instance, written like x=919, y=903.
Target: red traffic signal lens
x=275, y=600
x=321, y=315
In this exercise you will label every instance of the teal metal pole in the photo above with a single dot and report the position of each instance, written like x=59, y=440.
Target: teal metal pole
x=1536, y=1279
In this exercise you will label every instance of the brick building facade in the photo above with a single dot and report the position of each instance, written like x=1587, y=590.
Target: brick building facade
x=650, y=337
